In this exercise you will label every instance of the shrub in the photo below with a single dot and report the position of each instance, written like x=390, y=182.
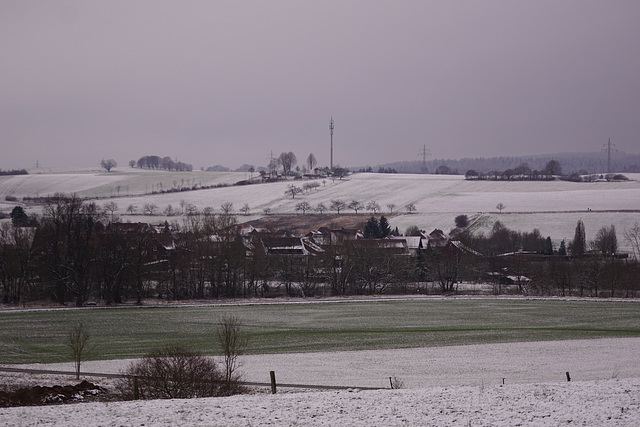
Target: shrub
x=462, y=221
x=173, y=372
x=412, y=230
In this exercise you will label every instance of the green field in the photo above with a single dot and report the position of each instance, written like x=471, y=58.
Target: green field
x=39, y=336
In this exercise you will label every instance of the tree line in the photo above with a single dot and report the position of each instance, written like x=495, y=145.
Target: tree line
x=520, y=173
x=74, y=254
x=157, y=162
x=13, y=172
x=579, y=163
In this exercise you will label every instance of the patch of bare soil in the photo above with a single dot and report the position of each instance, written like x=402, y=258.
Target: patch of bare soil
x=299, y=224
x=39, y=395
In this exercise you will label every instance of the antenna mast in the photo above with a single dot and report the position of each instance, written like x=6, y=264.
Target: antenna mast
x=331, y=132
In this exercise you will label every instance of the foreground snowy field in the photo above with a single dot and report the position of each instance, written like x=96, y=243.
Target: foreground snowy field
x=456, y=385
x=592, y=403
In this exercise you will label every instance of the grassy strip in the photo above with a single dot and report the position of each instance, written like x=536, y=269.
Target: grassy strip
x=39, y=336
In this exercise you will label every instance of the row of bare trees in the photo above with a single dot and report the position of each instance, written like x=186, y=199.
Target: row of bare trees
x=76, y=255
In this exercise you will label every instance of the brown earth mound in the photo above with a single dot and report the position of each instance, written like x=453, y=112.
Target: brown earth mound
x=50, y=395
x=299, y=224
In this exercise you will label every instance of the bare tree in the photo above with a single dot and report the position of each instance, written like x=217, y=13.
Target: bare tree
x=632, y=236
x=293, y=191
x=77, y=342
x=227, y=207
x=355, y=205
x=245, y=209
x=273, y=166
x=108, y=164
x=71, y=250
x=308, y=186
x=500, y=206
x=606, y=241
x=287, y=160
x=410, y=208
x=303, y=206
x=311, y=162
x=321, y=208
x=337, y=205
x=373, y=206
x=150, y=208
x=233, y=342
x=111, y=207
x=132, y=209
x=391, y=206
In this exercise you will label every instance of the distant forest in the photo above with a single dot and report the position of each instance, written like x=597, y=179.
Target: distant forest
x=157, y=162
x=13, y=172
x=580, y=163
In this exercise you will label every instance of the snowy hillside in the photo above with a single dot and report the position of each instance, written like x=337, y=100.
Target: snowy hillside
x=553, y=207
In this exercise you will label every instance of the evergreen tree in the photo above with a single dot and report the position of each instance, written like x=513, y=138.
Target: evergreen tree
x=18, y=217
x=385, y=228
x=372, y=229
x=562, y=251
x=548, y=246
x=579, y=244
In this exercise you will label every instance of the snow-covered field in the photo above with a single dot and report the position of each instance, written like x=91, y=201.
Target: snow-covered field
x=99, y=183
x=588, y=403
x=458, y=385
x=553, y=207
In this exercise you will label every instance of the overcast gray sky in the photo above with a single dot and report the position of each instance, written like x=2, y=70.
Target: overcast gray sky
x=227, y=82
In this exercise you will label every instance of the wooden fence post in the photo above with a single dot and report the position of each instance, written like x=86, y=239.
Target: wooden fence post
x=568, y=376
x=273, y=381
x=136, y=391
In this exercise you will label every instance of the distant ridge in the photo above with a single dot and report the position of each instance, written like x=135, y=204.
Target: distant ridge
x=582, y=163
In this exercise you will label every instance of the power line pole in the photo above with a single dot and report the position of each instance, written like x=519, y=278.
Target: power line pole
x=271, y=164
x=331, y=132
x=609, y=147
x=424, y=153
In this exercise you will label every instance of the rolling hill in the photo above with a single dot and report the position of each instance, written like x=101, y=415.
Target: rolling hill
x=553, y=207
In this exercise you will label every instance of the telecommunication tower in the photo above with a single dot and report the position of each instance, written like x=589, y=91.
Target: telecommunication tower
x=331, y=132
